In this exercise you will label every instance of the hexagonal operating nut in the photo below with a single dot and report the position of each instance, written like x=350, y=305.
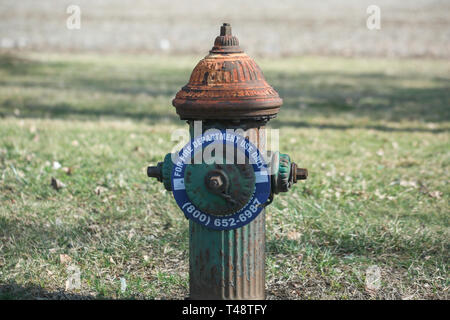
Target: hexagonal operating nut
x=215, y=182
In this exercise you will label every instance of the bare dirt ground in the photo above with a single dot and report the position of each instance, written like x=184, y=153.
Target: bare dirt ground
x=271, y=28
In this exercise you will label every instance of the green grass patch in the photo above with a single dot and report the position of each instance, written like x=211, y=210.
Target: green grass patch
x=374, y=135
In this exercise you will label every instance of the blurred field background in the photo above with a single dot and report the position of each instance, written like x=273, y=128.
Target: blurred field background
x=267, y=28
x=367, y=112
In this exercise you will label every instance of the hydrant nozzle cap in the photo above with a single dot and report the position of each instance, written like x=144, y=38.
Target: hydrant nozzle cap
x=155, y=171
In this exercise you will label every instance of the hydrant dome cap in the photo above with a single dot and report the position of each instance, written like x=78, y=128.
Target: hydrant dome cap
x=227, y=84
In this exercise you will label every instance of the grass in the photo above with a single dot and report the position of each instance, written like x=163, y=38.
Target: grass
x=374, y=135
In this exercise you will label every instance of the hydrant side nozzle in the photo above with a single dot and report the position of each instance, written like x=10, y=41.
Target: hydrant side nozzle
x=285, y=173
x=281, y=166
x=162, y=171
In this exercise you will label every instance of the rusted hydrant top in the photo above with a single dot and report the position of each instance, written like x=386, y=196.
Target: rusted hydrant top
x=227, y=84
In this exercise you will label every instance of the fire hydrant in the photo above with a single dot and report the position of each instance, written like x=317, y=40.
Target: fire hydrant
x=227, y=103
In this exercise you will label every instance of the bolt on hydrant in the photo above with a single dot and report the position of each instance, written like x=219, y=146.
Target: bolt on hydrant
x=224, y=178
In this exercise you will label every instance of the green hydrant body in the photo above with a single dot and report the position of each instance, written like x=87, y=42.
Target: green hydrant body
x=228, y=264
x=227, y=104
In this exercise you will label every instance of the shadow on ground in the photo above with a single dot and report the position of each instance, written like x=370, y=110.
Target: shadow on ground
x=15, y=291
x=81, y=90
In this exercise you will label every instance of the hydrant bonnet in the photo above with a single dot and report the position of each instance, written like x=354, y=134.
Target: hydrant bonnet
x=227, y=84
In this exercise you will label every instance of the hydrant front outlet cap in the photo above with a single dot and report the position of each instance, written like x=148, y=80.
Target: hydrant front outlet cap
x=219, y=189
